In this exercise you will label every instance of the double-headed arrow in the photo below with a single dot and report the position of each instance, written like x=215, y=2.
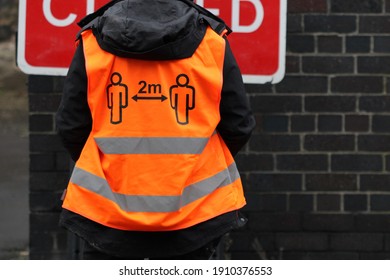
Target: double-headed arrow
x=162, y=98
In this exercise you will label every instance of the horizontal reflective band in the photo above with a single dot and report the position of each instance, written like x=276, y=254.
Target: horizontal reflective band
x=151, y=145
x=158, y=203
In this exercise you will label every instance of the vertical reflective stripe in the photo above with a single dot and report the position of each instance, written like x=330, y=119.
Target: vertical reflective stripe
x=151, y=203
x=151, y=145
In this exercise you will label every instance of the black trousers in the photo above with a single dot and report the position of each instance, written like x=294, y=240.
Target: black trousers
x=207, y=252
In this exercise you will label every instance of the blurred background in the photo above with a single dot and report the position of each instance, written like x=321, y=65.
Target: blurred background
x=14, y=141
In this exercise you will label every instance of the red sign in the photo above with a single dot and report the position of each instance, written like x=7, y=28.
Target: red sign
x=47, y=29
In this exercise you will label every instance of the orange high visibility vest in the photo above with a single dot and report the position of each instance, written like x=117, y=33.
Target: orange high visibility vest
x=153, y=160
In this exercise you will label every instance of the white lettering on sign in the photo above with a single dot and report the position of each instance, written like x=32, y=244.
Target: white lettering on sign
x=236, y=23
x=236, y=16
x=65, y=21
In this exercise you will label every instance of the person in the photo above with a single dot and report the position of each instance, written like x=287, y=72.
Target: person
x=153, y=112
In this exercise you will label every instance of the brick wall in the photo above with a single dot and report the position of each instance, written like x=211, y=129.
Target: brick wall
x=49, y=170
x=317, y=169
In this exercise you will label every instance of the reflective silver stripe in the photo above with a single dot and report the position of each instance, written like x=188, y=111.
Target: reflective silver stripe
x=151, y=145
x=158, y=203
x=207, y=186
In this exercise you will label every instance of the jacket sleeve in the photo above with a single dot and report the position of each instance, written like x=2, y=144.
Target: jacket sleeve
x=237, y=121
x=73, y=118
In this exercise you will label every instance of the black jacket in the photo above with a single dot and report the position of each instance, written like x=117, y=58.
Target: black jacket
x=153, y=30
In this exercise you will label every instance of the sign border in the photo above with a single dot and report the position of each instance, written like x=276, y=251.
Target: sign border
x=59, y=71
x=21, y=49
x=280, y=72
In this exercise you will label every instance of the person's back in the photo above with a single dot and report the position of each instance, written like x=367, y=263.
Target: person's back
x=153, y=111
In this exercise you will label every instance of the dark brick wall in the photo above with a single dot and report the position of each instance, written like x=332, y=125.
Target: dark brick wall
x=49, y=169
x=317, y=169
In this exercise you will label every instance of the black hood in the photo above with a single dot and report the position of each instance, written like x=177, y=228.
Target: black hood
x=150, y=29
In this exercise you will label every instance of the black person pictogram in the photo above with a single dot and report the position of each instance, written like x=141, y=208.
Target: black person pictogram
x=117, y=97
x=182, y=97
